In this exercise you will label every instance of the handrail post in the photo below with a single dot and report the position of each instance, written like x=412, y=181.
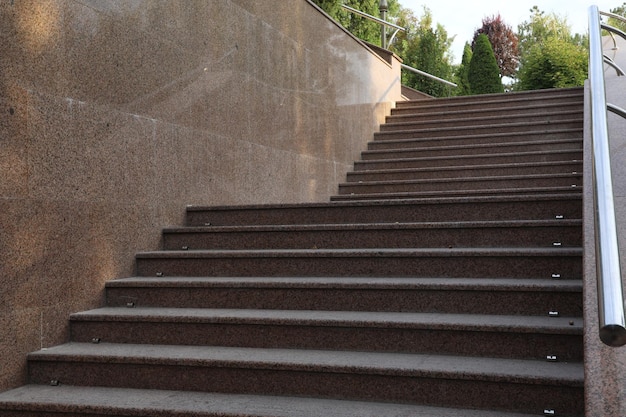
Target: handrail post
x=609, y=280
x=383, y=8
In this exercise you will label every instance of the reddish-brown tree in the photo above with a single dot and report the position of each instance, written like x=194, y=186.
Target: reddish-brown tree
x=504, y=43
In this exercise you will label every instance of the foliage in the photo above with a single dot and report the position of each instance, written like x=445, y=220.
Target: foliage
x=616, y=23
x=554, y=63
x=462, y=81
x=359, y=26
x=483, y=74
x=551, y=56
x=504, y=43
x=426, y=49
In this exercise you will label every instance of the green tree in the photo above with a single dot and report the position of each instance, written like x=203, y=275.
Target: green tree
x=483, y=74
x=551, y=57
x=425, y=48
x=553, y=64
x=462, y=80
x=617, y=23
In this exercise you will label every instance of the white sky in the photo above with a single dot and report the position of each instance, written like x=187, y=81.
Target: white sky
x=463, y=17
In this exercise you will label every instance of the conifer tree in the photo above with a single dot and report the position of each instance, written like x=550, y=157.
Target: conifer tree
x=462, y=81
x=483, y=74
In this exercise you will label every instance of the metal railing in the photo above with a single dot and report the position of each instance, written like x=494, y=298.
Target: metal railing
x=609, y=278
x=384, y=23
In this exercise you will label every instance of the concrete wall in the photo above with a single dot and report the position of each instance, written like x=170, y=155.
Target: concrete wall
x=605, y=367
x=115, y=114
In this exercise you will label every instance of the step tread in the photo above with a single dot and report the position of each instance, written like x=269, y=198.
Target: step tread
x=363, y=253
x=496, y=117
x=493, y=125
x=374, y=226
x=530, y=107
x=450, y=193
x=467, y=179
x=396, y=320
x=467, y=284
x=521, y=371
x=491, y=146
x=155, y=403
x=471, y=156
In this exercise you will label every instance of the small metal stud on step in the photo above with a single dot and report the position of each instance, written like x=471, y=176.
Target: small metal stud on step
x=207, y=224
x=130, y=304
x=553, y=314
x=95, y=340
x=159, y=274
x=557, y=244
x=549, y=412
x=185, y=248
x=556, y=276
x=55, y=383
x=559, y=217
x=552, y=358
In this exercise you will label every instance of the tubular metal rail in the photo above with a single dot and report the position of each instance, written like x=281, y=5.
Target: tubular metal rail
x=609, y=279
x=397, y=28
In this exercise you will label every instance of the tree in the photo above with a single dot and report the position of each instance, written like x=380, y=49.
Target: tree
x=462, y=80
x=483, y=74
x=554, y=64
x=616, y=23
x=426, y=49
x=504, y=43
x=551, y=56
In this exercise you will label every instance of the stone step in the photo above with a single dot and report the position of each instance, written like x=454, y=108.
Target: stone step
x=367, y=235
x=466, y=160
x=498, y=118
x=487, y=139
x=455, y=131
x=501, y=336
x=470, y=184
x=77, y=401
x=427, y=262
x=558, y=167
x=492, y=101
x=406, y=152
x=402, y=114
x=532, y=297
x=535, y=207
x=527, y=385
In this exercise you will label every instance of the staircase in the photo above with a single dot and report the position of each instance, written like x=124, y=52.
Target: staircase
x=444, y=279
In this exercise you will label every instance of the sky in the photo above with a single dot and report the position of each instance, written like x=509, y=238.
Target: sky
x=463, y=17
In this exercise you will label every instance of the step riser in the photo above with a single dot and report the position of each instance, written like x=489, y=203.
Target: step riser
x=520, y=266
x=406, y=389
x=498, y=343
x=476, y=130
x=466, y=160
x=438, y=210
x=458, y=185
x=400, y=153
x=404, y=115
x=463, y=172
x=393, y=238
x=532, y=303
x=395, y=125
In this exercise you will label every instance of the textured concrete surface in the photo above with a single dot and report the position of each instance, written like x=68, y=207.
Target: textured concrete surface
x=115, y=115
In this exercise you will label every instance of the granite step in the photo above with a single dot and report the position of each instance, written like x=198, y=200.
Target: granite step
x=80, y=401
x=522, y=385
x=479, y=208
x=467, y=171
x=425, y=262
x=456, y=131
x=522, y=296
x=473, y=149
x=374, y=235
x=495, y=336
x=465, y=160
x=492, y=101
x=467, y=185
x=394, y=124
x=402, y=114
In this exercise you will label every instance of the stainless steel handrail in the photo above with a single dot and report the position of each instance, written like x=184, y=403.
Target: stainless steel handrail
x=609, y=279
x=377, y=20
x=425, y=74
